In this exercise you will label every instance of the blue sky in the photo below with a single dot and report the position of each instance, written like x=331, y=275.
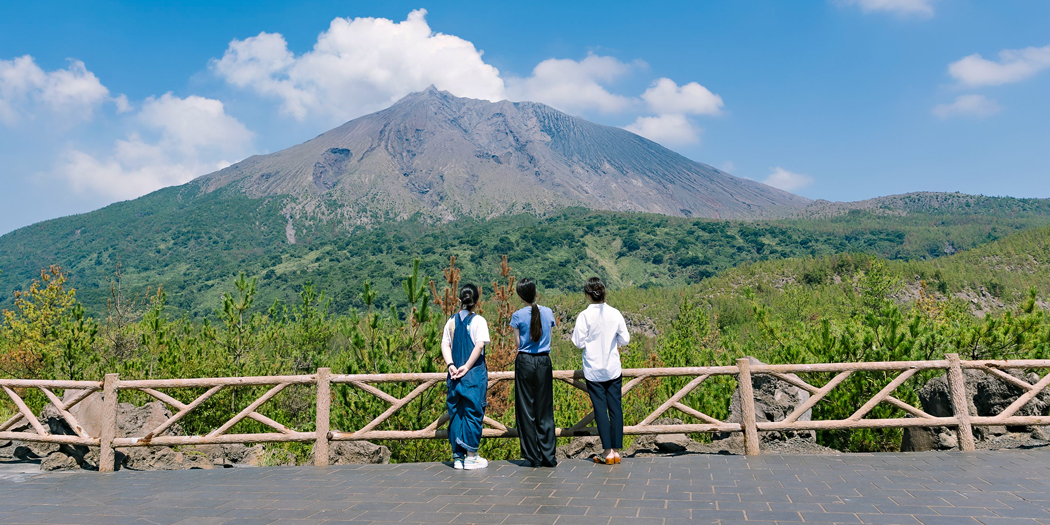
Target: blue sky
x=831, y=99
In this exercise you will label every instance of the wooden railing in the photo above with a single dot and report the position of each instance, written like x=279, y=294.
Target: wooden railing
x=323, y=380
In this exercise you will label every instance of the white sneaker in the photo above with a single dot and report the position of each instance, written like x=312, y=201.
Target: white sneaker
x=457, y=463
x=475, y=462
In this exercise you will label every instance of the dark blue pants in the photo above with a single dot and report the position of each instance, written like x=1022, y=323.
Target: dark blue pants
x=467, y=397
x=608, y=410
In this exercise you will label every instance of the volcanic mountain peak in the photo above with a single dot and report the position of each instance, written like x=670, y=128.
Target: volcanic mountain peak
x=445, y=157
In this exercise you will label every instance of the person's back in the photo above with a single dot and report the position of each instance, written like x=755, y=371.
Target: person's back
x=534, y=379
x=463, y=348
x=521, y=321
x=600, y=331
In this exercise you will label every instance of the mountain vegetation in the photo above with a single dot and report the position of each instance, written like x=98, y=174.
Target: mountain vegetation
x=989, y=302
x=192, y=243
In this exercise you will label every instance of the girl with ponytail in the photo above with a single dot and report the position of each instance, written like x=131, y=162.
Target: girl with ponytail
x=600, y=331
x=534, y=378
x=463, y=347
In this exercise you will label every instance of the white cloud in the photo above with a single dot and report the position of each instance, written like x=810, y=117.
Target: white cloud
x=672, y=104
x=669, y=130
x=364, y=64
x=967, y=106
x=786, y=180
x=900, y=7
x=359, y=65
x=25, y=89
x=664, y=96
x=193, y=136
x=727, y=166
x=573, y=86
x=1013, y=65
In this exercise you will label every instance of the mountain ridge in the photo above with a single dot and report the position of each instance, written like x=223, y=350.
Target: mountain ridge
x=446, y=157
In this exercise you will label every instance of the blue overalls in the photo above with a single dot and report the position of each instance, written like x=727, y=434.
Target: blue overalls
x=466, y=395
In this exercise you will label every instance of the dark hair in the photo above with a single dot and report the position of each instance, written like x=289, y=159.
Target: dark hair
x=527, y=291
x=595, y=289
x=468, y=296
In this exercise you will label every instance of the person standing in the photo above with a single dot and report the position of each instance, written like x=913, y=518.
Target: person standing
x=534, y=379
x=463, y=347
x=600, y=331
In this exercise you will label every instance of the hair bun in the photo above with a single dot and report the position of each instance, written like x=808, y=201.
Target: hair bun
x=595, y=289
x=468, y=296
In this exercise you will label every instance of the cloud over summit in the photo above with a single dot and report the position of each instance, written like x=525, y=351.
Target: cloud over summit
x=357, y=66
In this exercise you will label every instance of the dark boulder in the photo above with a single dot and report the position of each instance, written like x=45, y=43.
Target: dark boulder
x=775, y=399
x=356, y=453
x=986, y=395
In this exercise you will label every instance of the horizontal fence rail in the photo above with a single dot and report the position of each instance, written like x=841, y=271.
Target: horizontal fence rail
x=323, y=435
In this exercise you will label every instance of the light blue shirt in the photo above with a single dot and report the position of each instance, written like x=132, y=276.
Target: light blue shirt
x=522, y=319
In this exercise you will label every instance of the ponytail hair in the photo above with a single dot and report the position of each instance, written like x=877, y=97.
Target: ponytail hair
x=595, y=289
x=468, y=297
x=527, y=292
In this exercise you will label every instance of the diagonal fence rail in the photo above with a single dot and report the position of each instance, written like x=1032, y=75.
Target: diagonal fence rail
x=743, y=372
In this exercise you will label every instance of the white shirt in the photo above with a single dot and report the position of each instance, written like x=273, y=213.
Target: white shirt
x=600, y=331
x=478, y=330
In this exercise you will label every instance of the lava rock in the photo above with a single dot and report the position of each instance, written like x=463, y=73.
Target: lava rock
x=672, y=442
x=356, y=453
x=59, y=460
x=580, y=447
x=774, y=400
x=986, y=395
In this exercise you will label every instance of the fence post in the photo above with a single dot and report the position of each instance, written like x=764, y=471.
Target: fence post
x=106, y=459
x=324, y=410
x=747, y=407
x=957, y=384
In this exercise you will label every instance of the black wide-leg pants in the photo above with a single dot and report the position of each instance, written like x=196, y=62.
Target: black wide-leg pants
x=607, y=398
x=534, y=408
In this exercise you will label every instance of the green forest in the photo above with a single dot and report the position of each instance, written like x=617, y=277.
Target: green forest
x=694, y=293
x=195, y=244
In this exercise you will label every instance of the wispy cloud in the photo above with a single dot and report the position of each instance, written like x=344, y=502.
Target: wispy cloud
x=968, y=106
x=673, y=105
x=669, y=130
x=665, y=97
x=574, y=86
x=1014, y=65
x=899, y=7
x=786, y=180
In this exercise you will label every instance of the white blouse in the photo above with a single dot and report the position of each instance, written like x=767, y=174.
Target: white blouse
x=600, y=331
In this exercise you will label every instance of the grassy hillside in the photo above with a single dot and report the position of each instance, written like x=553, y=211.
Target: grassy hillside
x=193, y=243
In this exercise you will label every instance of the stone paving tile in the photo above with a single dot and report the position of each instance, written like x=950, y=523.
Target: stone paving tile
x=1006, y=487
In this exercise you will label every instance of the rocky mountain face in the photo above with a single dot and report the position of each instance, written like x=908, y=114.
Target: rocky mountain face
x=445, y=157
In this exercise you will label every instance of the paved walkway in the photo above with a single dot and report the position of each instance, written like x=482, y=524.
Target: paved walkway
x=929, y=488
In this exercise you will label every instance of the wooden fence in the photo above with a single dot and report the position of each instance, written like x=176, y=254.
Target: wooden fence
x=323, y=380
